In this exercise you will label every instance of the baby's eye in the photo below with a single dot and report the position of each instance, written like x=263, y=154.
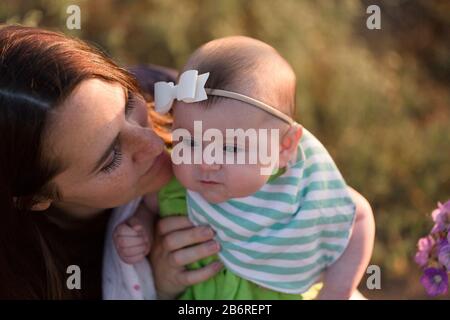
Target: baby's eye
x=231, y=148
x=190, y=142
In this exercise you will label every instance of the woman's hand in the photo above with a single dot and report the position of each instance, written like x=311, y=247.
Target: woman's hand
x=177, y=243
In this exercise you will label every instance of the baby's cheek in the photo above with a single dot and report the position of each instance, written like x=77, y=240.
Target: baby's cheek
x=245, y=180
x=184, y=175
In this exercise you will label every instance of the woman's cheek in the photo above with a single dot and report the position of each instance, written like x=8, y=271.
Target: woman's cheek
x=123, y=179
x=120, y=192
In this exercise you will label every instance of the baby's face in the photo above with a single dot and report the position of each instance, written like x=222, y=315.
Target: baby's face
x=219, y=182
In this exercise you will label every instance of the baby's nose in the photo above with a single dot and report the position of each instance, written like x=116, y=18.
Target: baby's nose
x=210, y=167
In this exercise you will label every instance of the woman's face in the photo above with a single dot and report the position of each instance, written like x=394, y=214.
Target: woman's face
x=112, y=155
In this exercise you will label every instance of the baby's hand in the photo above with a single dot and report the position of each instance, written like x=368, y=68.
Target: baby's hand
x=132, y=240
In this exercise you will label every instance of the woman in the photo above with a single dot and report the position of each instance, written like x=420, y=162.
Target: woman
x=76, y=141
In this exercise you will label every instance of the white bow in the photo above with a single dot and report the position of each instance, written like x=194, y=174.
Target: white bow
x=190, y=88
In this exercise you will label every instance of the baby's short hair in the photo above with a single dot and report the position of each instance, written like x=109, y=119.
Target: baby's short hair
x=247, y=66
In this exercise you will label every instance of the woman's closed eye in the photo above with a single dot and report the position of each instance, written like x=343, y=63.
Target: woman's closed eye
x=117, y=152
x=116, y=160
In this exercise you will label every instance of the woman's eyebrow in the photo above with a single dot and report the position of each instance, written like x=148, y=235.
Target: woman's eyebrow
x=110, y=149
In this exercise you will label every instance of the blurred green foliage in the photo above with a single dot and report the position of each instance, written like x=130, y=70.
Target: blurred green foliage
x=378, y=99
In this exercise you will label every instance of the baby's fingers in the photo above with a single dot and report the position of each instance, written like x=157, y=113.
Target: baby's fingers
x=134, y=222
x=135, y=251
x=124, y=230
x=134, y=259
x=139, y=228
x=126, y=242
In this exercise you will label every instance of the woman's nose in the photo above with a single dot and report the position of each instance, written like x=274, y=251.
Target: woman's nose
x=146, y=146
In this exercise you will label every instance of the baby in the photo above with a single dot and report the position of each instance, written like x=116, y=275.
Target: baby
x=281, y=210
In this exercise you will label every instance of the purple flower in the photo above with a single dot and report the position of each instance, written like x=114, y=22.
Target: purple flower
x=435, y=281
x=425, y=244
x=421, y=258
x=445, y=207
x=435, y=213
x=441, y=217
x=444, y=256
x=442, y=242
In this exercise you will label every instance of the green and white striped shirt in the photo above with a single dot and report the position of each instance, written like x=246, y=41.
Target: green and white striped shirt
x=284, y=236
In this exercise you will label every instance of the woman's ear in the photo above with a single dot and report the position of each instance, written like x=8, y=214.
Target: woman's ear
x=289, y=143
x=41, y=205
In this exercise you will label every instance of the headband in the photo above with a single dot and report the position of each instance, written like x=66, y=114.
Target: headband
x=191, y=88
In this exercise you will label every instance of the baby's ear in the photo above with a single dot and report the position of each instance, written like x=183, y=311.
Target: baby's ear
x=289, y=143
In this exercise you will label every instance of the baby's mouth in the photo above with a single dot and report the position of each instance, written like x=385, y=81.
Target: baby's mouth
x=210, y=182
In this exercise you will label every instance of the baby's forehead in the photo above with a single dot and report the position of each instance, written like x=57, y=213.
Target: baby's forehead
x=220, y=113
